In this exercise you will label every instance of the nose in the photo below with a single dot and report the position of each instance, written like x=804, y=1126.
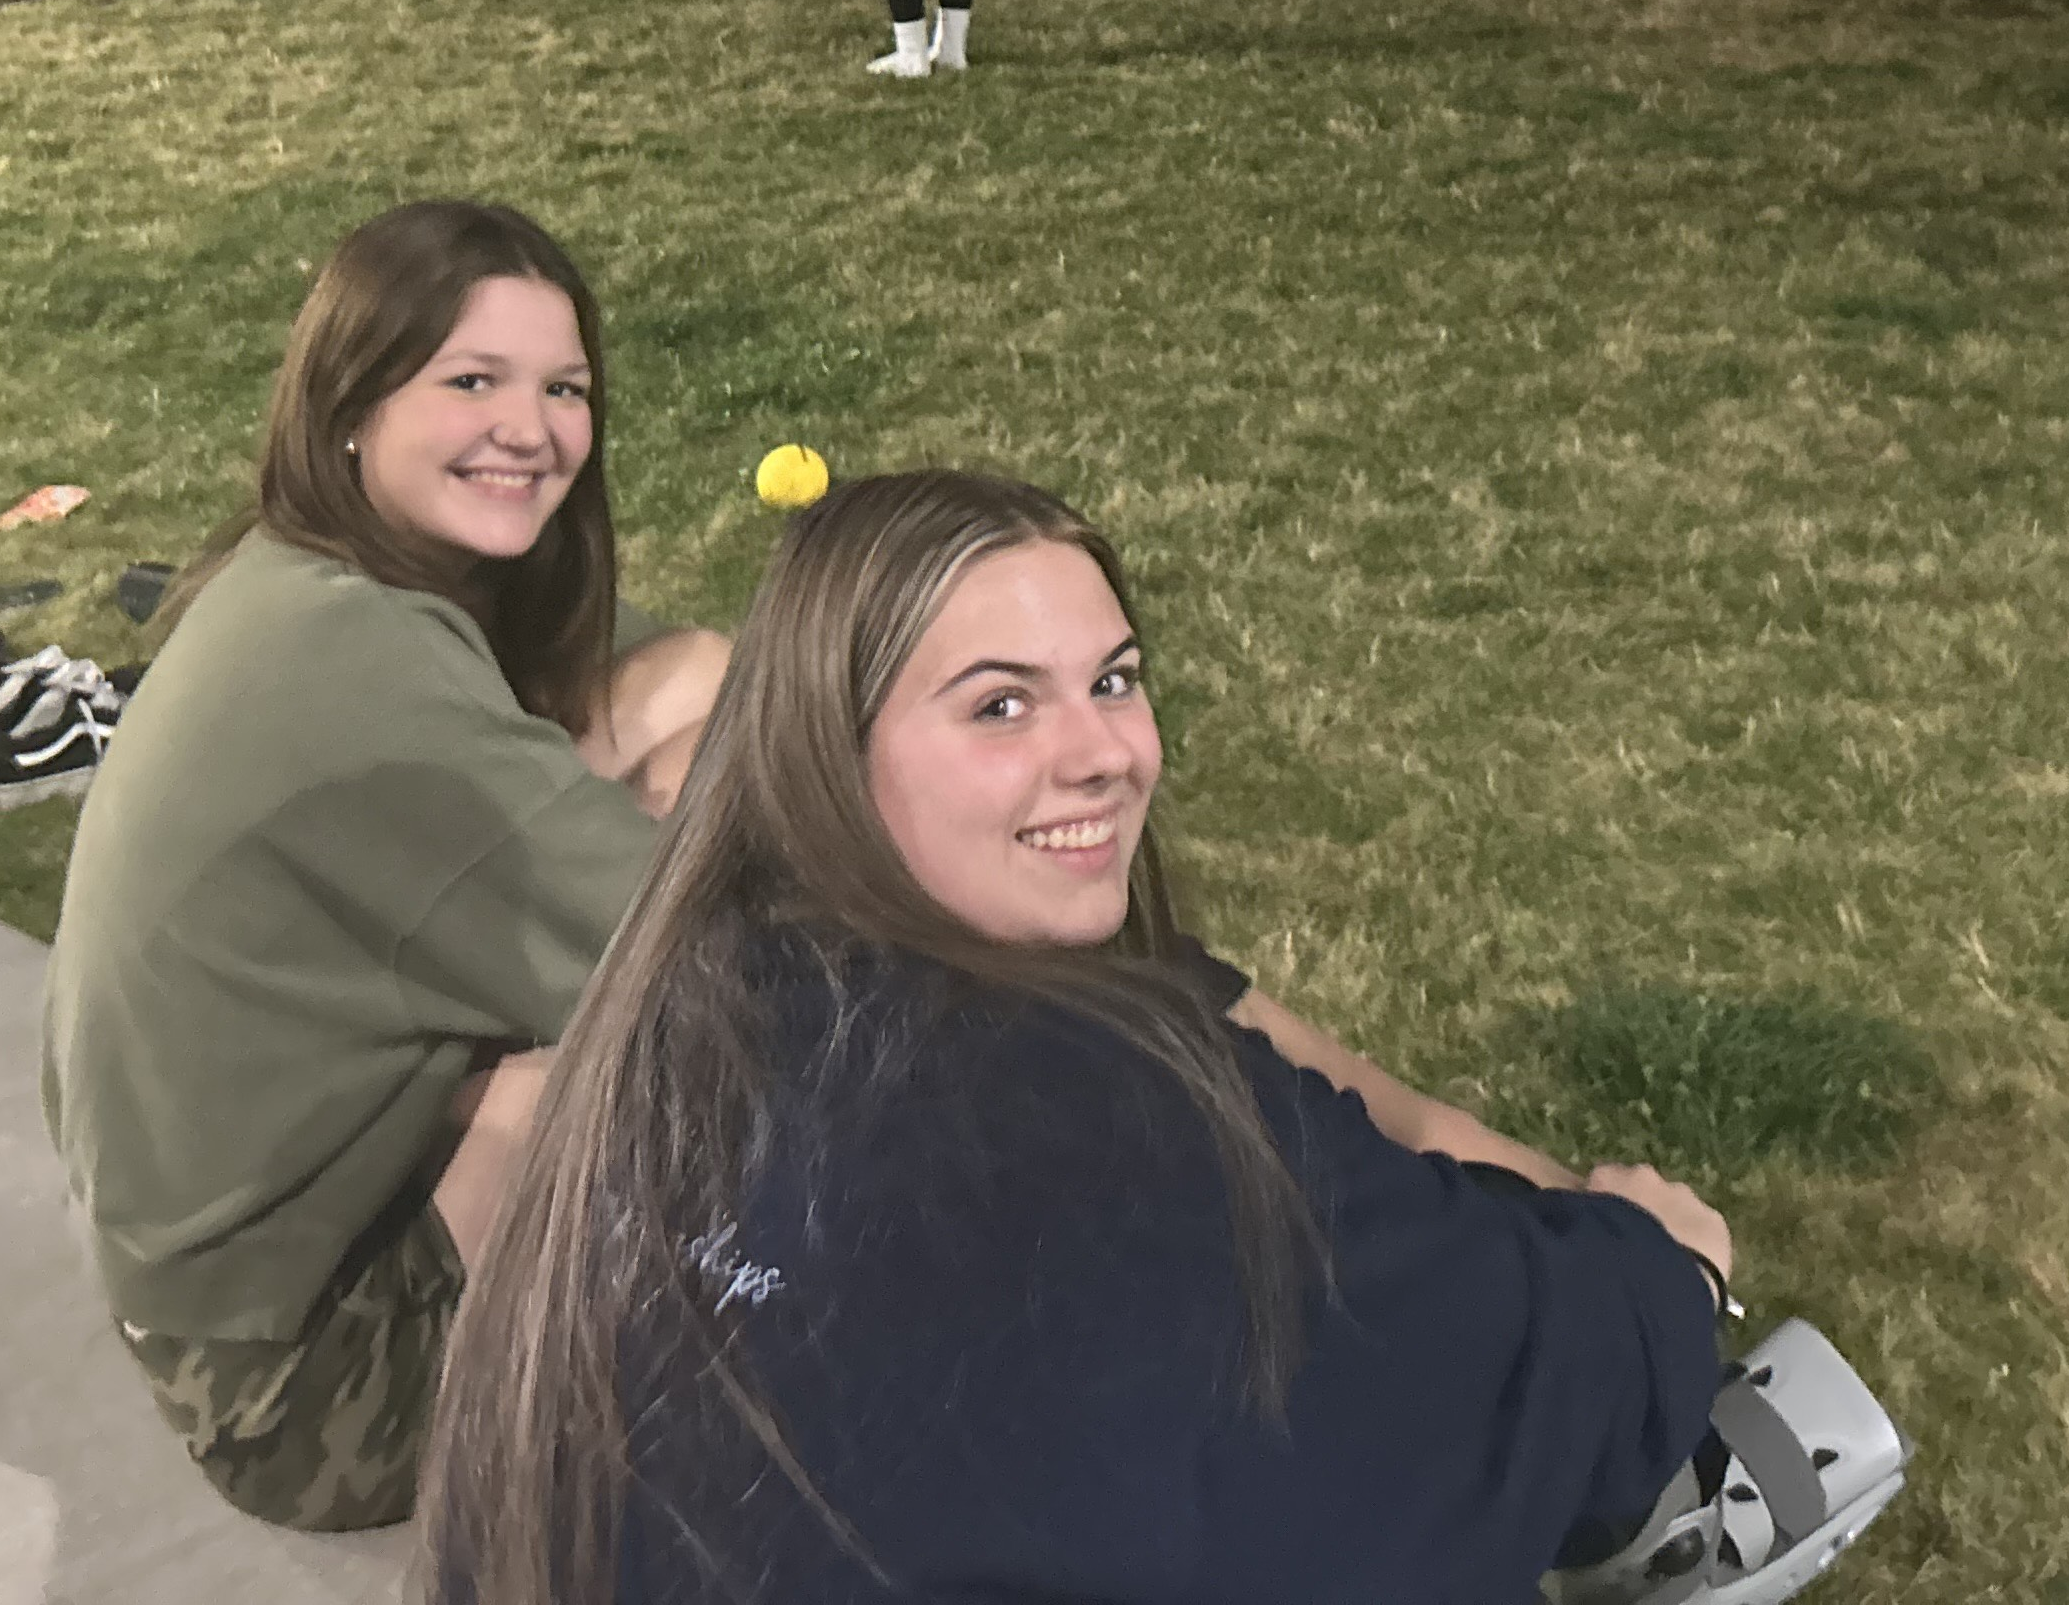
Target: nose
x=520, y=421
x=1091, y=748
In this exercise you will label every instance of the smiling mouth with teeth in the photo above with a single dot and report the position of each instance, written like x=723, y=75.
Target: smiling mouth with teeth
x=1075, y=837
x=504, y=480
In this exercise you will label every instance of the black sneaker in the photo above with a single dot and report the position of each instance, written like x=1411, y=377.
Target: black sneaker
x=56, y=680
x=55, y=746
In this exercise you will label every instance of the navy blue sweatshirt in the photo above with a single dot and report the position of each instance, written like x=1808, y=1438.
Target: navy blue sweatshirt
x=998, y=1316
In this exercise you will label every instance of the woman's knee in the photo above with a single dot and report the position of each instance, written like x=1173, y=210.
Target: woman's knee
x=671, y=682
x=658, y=692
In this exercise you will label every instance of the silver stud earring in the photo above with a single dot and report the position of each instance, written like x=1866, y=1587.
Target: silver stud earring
x=351, y=448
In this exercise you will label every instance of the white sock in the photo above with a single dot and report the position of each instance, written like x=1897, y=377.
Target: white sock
x=951, y=39
x=909, y=59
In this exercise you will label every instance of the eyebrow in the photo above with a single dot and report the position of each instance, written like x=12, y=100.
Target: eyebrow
x=1026, y=671
x=488, y=359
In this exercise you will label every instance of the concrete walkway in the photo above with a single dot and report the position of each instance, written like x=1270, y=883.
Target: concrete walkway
x=98, y=1505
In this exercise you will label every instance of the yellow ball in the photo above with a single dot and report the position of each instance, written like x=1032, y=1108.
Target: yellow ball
x=791, y=476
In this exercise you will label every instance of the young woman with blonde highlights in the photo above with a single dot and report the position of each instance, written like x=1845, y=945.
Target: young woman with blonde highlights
x=915, y=1225
x=375, y=812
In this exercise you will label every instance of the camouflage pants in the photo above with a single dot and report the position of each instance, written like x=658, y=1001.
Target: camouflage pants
x=323, y=1433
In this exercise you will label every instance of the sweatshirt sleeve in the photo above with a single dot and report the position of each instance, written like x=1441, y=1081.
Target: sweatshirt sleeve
x=524, y=861
x=1491, y=1372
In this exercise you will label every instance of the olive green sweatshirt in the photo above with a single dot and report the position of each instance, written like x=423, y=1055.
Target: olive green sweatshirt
x=326, y=857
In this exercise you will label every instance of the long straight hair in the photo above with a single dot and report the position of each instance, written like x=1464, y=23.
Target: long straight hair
x=658, y=1110
x=379, y=310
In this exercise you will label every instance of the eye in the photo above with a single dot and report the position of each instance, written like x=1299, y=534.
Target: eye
x=568, y=390
x=468, y=383
x=1001, y=706
x=1118, y=681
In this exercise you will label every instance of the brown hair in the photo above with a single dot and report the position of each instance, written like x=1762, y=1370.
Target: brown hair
x=381, y=307
x=659, y=1103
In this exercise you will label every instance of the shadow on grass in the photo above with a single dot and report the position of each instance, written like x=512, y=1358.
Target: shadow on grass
x=1713, y=1086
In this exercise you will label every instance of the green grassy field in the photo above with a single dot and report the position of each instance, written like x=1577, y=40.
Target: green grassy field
x=1594, y=469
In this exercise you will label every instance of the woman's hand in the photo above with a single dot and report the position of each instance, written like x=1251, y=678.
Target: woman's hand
x=1688, y=1220
x=494, y=1109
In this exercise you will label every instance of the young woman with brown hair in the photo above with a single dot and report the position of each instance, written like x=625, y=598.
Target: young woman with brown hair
x=915, y=1225
x=375, y=813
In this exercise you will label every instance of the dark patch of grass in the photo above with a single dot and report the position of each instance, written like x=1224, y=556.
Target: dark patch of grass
x=1959, y=249
x=1889, y=189
x=1464, y=599
x=1853, y=77
x=1871, y=315
x=1716, y=1086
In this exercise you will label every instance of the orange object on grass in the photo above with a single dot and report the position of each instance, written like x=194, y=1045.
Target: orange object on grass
x=45, y=506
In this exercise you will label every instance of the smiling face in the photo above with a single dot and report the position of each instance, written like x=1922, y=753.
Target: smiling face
x=479, y=446
x=1015, y=755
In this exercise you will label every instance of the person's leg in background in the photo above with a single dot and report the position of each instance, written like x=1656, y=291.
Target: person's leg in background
x=908, y=58
x=950, y=50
